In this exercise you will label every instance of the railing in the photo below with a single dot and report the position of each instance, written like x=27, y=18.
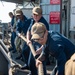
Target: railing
x=1, y=32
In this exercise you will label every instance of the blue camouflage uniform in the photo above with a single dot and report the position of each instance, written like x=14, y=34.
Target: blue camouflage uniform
x=12, y=20
x=61, y=48
x=31, y=61
x=22, y=26
x=13, y=35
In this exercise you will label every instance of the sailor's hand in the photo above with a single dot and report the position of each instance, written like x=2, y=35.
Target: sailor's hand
x=38, y=62
x=28, y=42
x=19, y=34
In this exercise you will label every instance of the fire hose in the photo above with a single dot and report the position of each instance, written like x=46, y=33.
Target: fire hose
x=40, y=67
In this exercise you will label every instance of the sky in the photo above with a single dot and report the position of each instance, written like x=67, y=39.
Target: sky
x=5, y=8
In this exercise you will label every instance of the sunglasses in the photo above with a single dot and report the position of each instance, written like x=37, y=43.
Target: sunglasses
x=36, y=39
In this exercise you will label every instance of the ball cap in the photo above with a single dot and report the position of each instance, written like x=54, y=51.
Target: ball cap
x=38, y=30
x=37, y=10
x=18, y=12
